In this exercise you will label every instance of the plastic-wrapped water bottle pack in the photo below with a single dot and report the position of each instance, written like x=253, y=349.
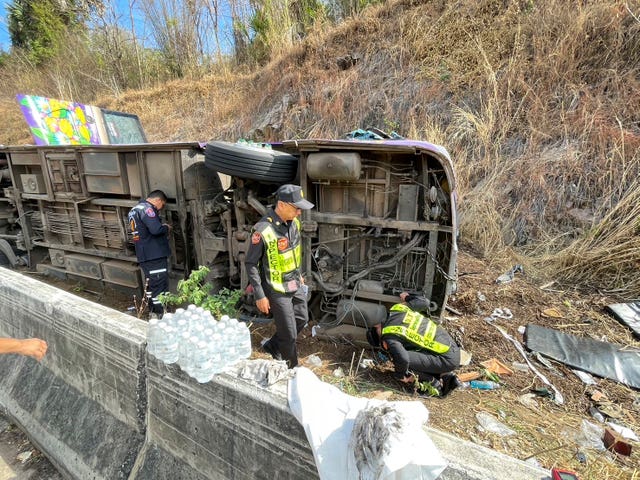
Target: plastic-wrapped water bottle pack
x=200, y=344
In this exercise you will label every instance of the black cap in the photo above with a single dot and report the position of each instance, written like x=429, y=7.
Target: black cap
x=293, y=194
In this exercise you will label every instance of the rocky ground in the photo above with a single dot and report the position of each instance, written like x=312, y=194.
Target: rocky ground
x=542, y=431
x=19, y=459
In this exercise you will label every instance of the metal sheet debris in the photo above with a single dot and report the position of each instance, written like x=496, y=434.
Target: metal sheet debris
x=628, y=314
x=607, y=360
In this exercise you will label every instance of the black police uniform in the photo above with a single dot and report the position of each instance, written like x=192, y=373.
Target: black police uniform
x=409, y=357
x=289, y=308
x=151, y=240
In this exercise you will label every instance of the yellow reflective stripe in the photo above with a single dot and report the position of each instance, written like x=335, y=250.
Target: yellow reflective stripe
x=273, y=258
x=287, y=260
x=298, y=250
x=430, y=334
x=416, y=338
x=413, y=319
x=399, y=307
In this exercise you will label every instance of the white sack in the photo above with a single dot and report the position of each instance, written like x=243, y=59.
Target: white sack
x=329, y=416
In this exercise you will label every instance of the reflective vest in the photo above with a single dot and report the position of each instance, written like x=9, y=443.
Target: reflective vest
x=280, y=263
x=412, y=325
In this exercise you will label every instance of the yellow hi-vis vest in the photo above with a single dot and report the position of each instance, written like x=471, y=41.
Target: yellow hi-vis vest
x=280, y=263
x=410, y=330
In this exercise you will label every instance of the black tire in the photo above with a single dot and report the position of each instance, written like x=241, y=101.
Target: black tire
x=249, y=162
x=4, y=261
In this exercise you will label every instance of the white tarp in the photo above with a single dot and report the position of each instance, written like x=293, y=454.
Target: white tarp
x=388, y=442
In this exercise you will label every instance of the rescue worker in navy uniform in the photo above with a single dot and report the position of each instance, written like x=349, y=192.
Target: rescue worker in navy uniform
x=423, y=353
x=151, y=239
x=273, y=264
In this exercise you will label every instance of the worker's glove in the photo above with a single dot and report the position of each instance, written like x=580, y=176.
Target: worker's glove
x=427, y=389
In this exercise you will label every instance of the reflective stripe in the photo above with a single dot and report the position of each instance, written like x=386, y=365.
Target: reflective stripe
x=157, y=271
x=413, y=321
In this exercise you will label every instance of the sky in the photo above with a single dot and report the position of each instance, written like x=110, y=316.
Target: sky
x=122, y=11
x=5, y=43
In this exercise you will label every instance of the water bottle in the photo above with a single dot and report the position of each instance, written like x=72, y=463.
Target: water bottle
x=216, y=353
x=208, y=333
x=244, y=341
x=220, y=346
x=198, y=331
x=185, y=352
x=169, y=319
x=182, y=325
x=167, y=346
x=153, y=334
x=229, y=345
x=202, y=363
x=484, y=385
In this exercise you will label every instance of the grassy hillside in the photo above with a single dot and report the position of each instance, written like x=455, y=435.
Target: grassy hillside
x=537, y=101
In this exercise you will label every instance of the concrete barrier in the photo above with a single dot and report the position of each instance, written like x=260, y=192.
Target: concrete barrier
x=84, y=405
x=225, y=429
x=99, y=408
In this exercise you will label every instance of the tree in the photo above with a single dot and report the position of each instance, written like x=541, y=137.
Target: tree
x=174, y=27
x=278, y=24
x=39, y=26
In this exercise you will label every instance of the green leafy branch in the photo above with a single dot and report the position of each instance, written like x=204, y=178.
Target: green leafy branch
x=195, y=290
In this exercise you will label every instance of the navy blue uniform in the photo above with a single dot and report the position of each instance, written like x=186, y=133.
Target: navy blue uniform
x=151, y=240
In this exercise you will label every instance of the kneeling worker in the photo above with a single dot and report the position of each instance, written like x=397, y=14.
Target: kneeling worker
x=423, y=353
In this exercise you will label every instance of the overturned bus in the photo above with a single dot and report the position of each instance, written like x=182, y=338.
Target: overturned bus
x=384, y=219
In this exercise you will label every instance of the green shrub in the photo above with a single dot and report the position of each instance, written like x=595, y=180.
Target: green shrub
x=195, y=290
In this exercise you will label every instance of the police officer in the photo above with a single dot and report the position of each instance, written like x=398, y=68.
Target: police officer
x=151, y=239
x=423, y=353
x=273, y=265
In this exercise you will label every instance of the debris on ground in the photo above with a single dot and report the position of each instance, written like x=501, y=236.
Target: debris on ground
x=496, y=366
x=627, y=314
x=604, y=359
x=510, y=275
x=552, y=312
x=491, y=424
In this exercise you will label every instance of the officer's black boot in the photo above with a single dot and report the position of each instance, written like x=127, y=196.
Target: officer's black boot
x=450, y=382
